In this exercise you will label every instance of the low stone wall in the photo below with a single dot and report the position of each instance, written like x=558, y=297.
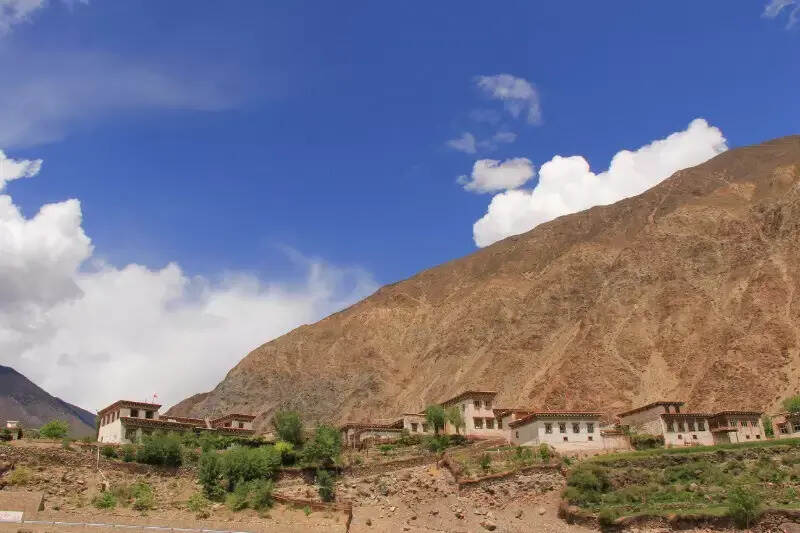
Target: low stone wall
x=342, y=507
x=380, y=468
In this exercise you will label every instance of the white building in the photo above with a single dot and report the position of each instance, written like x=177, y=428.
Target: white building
x=691, y=428
x=563, y=430
x=477, y=408
x=125, y=422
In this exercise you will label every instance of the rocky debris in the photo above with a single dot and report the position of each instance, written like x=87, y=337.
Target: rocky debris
x=489, y=525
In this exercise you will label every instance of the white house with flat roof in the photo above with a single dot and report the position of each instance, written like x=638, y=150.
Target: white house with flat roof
x=563, y=430
x=477, y=408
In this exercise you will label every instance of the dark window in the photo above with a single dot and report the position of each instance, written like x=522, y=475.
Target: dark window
x=562, y=427
x=477, y=404
x=701, y=426
x=694, y=437
x=478, y=423
x=414, y=427
x=241, y=425
x=783, y=428
x=691, y=425
x=517, y=433
x=670, y=426
x=576, y=428
x=589, y=428
x=490, y=423
x=135, y=413
x=591, y=438
x=747, y=437
x=499, y=423
x=680, y=437
x=548, y=428
x=681, y=426
x=148, y=414
x=565, y=439
x=758, y=436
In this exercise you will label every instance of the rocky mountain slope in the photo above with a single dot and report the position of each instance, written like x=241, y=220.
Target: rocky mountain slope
x=687, y=291
x=21, y=399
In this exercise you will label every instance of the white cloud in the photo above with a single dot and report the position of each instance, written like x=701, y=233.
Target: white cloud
x=519, y=96
x=12, y=170
x=567, y=185
x=776, y=7
x=465, y=143
x=15, y=11
x=91, y=332
x=492, y=175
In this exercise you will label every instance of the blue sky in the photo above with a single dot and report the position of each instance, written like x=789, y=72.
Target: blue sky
x=250, y=137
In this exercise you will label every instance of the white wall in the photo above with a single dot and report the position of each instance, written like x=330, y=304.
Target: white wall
x=483, y=411
x=111, y=433
x=535, y=432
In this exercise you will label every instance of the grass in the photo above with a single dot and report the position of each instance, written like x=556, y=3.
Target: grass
x=20, y=476
x=696, y=480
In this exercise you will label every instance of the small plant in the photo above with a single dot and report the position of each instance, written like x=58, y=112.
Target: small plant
x=744, y=506
x=143, y=497
x=325, y=485
x=87, y=439
x=66, y=443
x=792, y=404
x=238, y=499
x=769, y=430
x=260, y=497
x=128, y=453
x=307, y=510
x=436, y=443
x=606, y=517
x=108, y=452
x=209, y=474
x=104, y=500
x=324, y=448
x=55, y=429
x=485, y=461
x=544, y=453
x=20, y=476
x=286, y=451
x=386, y=448
x=199, y=505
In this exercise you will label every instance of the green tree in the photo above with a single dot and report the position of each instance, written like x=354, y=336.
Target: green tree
x=289, y=426
x=436, y=417
x=792, y=404
x=456, y=417
x=324, y=448
x=55, y=429
x=769, y=430
x=209, y=474
x=325, y=484
x=744, y=505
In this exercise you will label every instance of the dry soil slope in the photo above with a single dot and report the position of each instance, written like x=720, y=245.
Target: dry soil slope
x=23, y=400
x=686, y=291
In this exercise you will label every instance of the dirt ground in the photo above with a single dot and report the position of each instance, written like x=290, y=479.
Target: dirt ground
x=416, y=499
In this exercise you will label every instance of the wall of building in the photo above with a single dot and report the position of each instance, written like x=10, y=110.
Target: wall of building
x=647, y=421
x=111, y=433
x=482, y=411
x=410, y=420
x=535, y=433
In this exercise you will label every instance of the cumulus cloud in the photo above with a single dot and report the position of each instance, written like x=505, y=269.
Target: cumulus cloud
x=776, y=7
x=12, y=170
x=567, y=184
x=91, y=332
x=490, y=175
x=519, y=96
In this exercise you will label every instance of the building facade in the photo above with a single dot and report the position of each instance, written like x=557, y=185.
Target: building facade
x=477, y=409
x=563, y=430
x=125, y=422
x=679, y=428
x=361, y=434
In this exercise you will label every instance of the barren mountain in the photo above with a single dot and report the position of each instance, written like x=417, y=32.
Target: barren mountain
x=687, y=291
x=23, y=400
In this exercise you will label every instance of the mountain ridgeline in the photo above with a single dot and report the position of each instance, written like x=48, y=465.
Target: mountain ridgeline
x=687, y=292
x=23, y=400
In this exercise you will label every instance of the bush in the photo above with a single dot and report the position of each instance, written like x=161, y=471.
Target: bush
x=792, y=404
x=240, y=464
x=108, y=452
x=104, y=500
x=606, y=517
x=66, y=443
x=545, y=453
x=160, y=449
x=20, y=476
x=485, y=461
x=457, y=440
x=128, y=453
x=260, y=497
x=55, y=429
x=237, y=500
x=386, y=448
x=324, y=448
x=769, y=430
x=325, y=483
x=407, y=439
x=436, y=443
x=288, y=426
x=209, y=474
x=143, y=497
x=744, y=506
x=645, y=441
x=586, y=483
x=286, y=451
x=199, y=505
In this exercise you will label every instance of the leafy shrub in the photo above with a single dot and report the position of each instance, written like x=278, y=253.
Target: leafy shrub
x=485, y=461
x=544, y=452
x=436, y=416
x=436, y=443
x=160, y=449
x=586, y=484
x=457, y=440
x=66, y=443
x=128, y=453
x=108, y=452
x=288, y=426
x=766, y=470
x=386, y=448
x=645, y=441
x=199, y=505
x=523, y=455
x=286, y=451
x=454, y=415
x=238, y=499
x=240, y=464
x=20, y=476
x=792, y=404
x=55, y=429
x=143, y=497
x=769, y=429
x=260, y=496
x=407, y=439
x=744, y=506
x=324, y=448
x=5, y=434
x=190, y=456
x=209, y=473
x=104, y=500
x=325, y=485
x=606, y=517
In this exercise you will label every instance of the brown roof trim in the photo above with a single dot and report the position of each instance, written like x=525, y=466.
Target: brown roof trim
x=469, y=393
x=553, y=414
x=184, y=419
x=649, y=406
x=741, y=413
x=128, y=403
x=397, y=425
x=239, y=431
x=154, y=422
x=501, y=412
x=233, y=416
x=686, y=415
